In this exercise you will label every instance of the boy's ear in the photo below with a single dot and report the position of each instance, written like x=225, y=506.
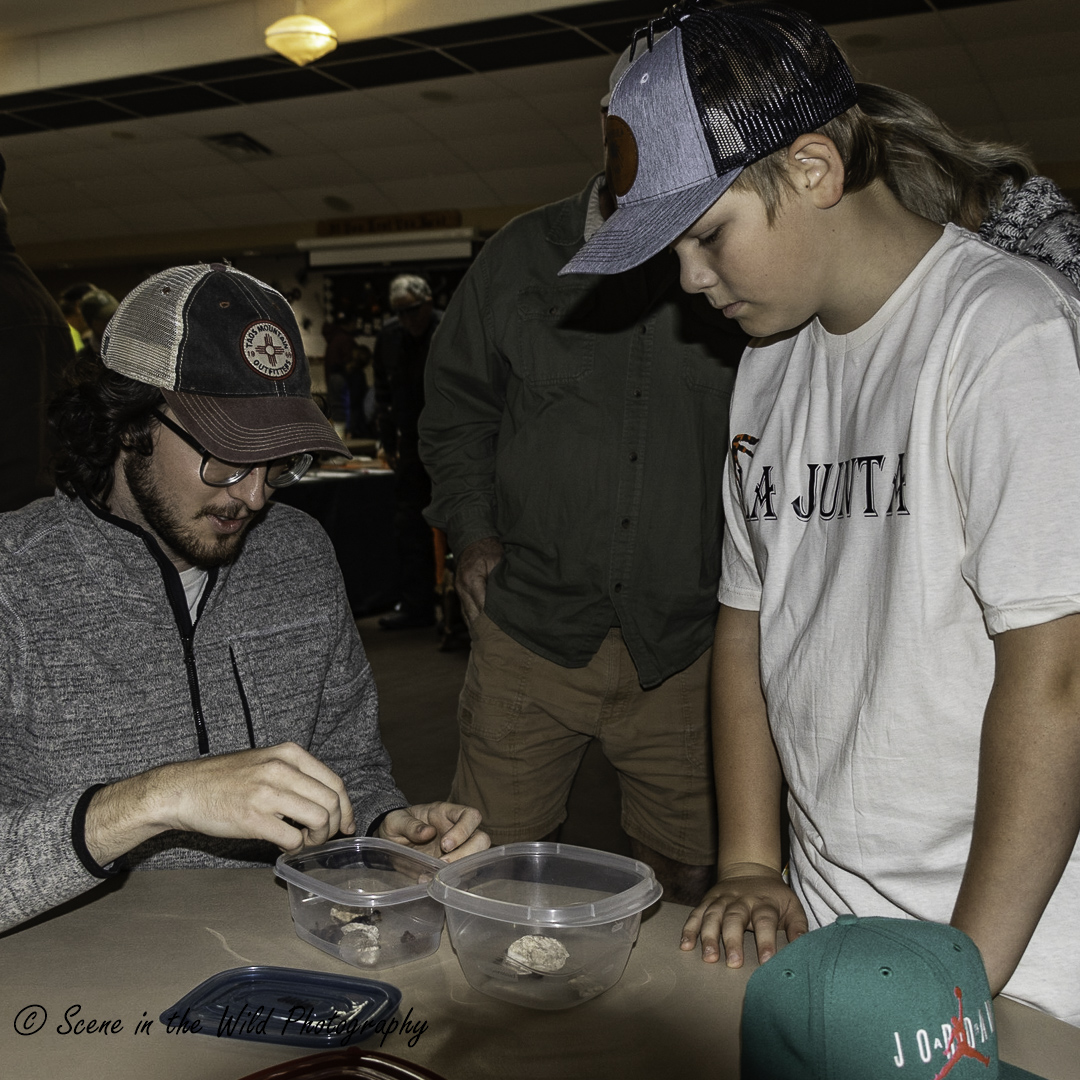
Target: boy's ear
x=817, y=168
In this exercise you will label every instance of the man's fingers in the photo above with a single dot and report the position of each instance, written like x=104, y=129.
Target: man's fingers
x=479, y=841
x=310, y=766
x=251, y=793
x=465, y=821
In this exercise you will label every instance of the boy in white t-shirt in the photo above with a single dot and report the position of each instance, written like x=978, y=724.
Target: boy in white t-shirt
x=899, y=637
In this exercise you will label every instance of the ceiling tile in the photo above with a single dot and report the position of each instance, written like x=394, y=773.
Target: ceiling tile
x=941, y=65
x=516, y=186
x=569, y=108
x=364, y=198
x=118, y=190
x=49, y=196
x=422, y=160
x=305, y=170
x=458, y=190
x=165, y=215
x=591, y=73
x=517, y=146
x=369, y=132
x=201, y=181
x=84, y=222
x=461, y=121
x=1046, y=54
x=262, y=208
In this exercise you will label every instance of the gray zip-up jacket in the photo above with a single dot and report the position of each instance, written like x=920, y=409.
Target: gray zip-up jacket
x=102, y=676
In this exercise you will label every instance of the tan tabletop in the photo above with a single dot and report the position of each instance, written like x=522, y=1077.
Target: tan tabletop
x=132, y=951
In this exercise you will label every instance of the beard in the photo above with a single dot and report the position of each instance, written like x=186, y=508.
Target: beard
x=176, y=533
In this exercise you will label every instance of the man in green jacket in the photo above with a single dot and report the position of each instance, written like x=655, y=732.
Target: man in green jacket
x=575, y=433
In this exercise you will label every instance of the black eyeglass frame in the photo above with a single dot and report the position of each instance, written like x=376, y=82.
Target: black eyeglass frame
x=302, y=462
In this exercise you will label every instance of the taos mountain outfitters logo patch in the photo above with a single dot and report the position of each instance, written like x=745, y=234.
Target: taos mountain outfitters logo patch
x=268, y=351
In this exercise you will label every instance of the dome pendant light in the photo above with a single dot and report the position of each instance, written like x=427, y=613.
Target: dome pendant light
x=301, y=38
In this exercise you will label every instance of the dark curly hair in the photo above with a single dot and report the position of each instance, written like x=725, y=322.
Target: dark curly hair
x=95, y=416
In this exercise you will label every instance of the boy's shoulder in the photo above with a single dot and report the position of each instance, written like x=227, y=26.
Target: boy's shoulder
x=972, y=267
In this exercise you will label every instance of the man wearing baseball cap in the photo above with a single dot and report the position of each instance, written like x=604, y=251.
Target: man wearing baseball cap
x=899, y=631
x=183, y=684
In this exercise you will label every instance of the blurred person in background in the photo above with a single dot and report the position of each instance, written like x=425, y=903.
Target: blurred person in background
x=97, y=308
x=35, y=346
x=340, y=344
x=401, y=353
x=69, y=305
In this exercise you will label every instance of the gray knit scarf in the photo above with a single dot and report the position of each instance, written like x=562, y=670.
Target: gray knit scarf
x=1036, y=220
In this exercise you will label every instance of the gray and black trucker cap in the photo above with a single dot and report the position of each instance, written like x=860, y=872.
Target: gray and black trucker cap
x=226, y=351
x=726, y=87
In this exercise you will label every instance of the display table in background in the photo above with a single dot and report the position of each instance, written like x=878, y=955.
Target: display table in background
x=133, y=948
x=356, y=508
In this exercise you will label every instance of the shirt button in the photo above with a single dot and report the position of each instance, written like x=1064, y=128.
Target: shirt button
x=618, y=586
x=633, y=456
x=637, y=393
x=644, y=330
x=626, y=523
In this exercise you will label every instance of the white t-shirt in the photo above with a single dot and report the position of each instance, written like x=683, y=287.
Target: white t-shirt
x=194, y=581
x=895, y=496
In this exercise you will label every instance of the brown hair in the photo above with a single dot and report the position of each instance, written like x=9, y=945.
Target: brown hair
x=932, y=170
x=857, y=138
x=935, y=171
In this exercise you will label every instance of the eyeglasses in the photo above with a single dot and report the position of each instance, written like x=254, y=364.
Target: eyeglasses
x=409, y=309
x=280, y=473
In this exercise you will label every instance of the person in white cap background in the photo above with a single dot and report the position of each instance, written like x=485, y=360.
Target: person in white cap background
x=574, y=433
x=182, y=682
x=899, y=632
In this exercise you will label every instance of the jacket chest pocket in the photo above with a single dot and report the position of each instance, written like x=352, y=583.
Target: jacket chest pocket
x=552, y=341
x=279, y=675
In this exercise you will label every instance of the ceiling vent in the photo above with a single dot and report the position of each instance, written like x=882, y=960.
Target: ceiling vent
x=237, y=146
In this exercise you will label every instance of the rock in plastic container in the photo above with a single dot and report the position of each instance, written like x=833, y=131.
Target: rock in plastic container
x=541, y=924
x=364, y=900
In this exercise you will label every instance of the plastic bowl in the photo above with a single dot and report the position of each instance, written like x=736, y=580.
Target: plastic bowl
x=541, y=924
x=364, y=900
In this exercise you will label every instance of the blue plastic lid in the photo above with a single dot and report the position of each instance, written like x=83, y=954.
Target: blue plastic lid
x=285, y=1005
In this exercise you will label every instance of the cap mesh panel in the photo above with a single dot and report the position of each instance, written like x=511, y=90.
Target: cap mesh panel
x=761, y=76
x=143, y=338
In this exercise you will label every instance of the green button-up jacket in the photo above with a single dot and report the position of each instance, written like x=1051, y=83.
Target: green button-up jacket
x=583, y=421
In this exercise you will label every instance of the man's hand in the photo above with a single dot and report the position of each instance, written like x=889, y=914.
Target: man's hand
x=474, y=565
x=247, y=795
x=442, y=829
x=747, y=897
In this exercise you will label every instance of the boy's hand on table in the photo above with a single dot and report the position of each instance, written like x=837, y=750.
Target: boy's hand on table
x=747, y=897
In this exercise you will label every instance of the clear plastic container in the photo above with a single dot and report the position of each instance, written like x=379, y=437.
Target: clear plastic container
x=541, y=924
x=364, y=900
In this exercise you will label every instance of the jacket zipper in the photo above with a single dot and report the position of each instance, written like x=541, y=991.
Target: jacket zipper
x=174, y=590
